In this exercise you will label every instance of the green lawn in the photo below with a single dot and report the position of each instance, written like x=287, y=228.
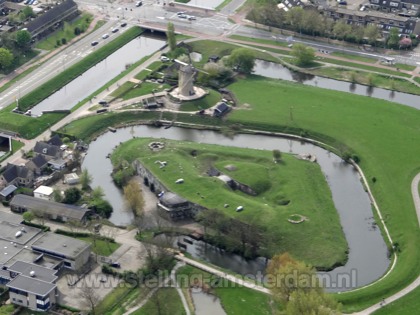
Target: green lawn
x=203, y=103
x=319, y=241
x=100, y=246
x=235, y=300
x=67, y=32
x=403, y=66
x=353, y=57
x=144, y=88
x=407, y=305
x=383, y=134
x=165, y=301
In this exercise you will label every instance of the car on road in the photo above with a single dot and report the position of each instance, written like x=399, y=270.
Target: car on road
x=103, y=103
x=180, y=12
x=182, y=16
x=105, y=36
x=124, y=24
x=192, y=18
x=114, y=30
x=94, y=43
x=139, y=3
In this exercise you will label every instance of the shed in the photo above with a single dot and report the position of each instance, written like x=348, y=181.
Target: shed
x=43, y=192
x=7, y=192
x=71, y=179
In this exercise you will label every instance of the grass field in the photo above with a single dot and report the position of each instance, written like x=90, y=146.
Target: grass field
x=319, y=241
x=407, y=305
x=100, y=246
x=235, y=300
x=165, y=301
x=353, y=57
x=208, y=101
x=384, y=135
x=67, y=32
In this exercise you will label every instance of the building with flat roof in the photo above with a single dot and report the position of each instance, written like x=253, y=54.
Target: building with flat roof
x=43, y=192
x=52, y=210
x=73, y=252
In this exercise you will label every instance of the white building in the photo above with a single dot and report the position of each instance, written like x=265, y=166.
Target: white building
x=43, y=192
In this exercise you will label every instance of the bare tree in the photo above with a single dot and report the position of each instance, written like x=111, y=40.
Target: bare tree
x=134, y=197
x=90, y=298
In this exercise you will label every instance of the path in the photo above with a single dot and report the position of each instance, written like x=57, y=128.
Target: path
x=214, y=271
x=416, y=195
x=165, y=284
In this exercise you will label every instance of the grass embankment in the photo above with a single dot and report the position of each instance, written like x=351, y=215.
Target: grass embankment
x=353, y=57
x=292, y=186
x=203, y=103
x=384, y=135
x=407, y=305
x=53, y=85
x=67, y=32
x=165, y=301
x=208, y=48
x=233, y=298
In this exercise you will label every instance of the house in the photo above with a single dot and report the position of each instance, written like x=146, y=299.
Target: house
x=7, y=193
x=56, y=141
x=50, y=20
x=17, y=175
x=221, y=109
x=32, y=286
x=43, y=192
x=57, y=164
x=37, y=164
x=52, y=210
x=49, y=151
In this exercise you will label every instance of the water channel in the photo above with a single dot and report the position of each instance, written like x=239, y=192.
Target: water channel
x=91, y=80
x=277, y=71
x=367, y=249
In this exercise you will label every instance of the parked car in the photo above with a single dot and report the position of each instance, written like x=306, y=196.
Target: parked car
x=116, y=265
x=114, y=30
x=103, y=103
x=105, y=36
x=124, y=24
x=192, y=18
x=182, y=16
x=94, y=43
x=139, y=3
x=164, y=58
x=180, y=12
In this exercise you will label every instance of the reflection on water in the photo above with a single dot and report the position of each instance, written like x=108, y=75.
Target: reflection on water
x=277, y=71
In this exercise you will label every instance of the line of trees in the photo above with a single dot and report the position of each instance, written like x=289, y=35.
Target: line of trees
x=312, y=22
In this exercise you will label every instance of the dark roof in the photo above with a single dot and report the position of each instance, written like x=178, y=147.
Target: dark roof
x=55, y=140
x=50, y=15
x=31, y=285
x=46, y=149
x=41, y=273
x=39, y=160
x=8, y=190
x=170, y=199
x=49, y=207
x=221, y=108
x=15, y=171
x=58, y=244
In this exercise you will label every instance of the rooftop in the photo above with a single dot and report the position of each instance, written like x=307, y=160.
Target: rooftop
x=171, y=199
x=44, y=190
x=8, y=190
x=17, y=233
x=60, y=244
x=39, y=272
x=31, y=285
x=49, y=207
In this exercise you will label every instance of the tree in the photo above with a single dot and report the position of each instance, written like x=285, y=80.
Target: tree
x=90, y=298
x=72, y=195
x=57, y=196
x=23, y=39
x=6, y=58
x=405, y=42
x=276, y=156
x=170, y=34
x=134, y=197
x=97, y=193
x=297, y=285
x=242, y=59
x=394, y=37
x=312, y=303
x=28, y=216
x=372, y=33
x=295, y=18
x=341, y=30
x=101, y=207
x=28, y=12
x=85, y=179
x=304, y=55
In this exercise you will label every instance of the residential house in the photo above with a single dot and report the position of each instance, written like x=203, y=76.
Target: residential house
x=53, y=18
x=7, y=193
x=49, y=151
x=37, y=164
x=56, y=141
x=17, y=175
